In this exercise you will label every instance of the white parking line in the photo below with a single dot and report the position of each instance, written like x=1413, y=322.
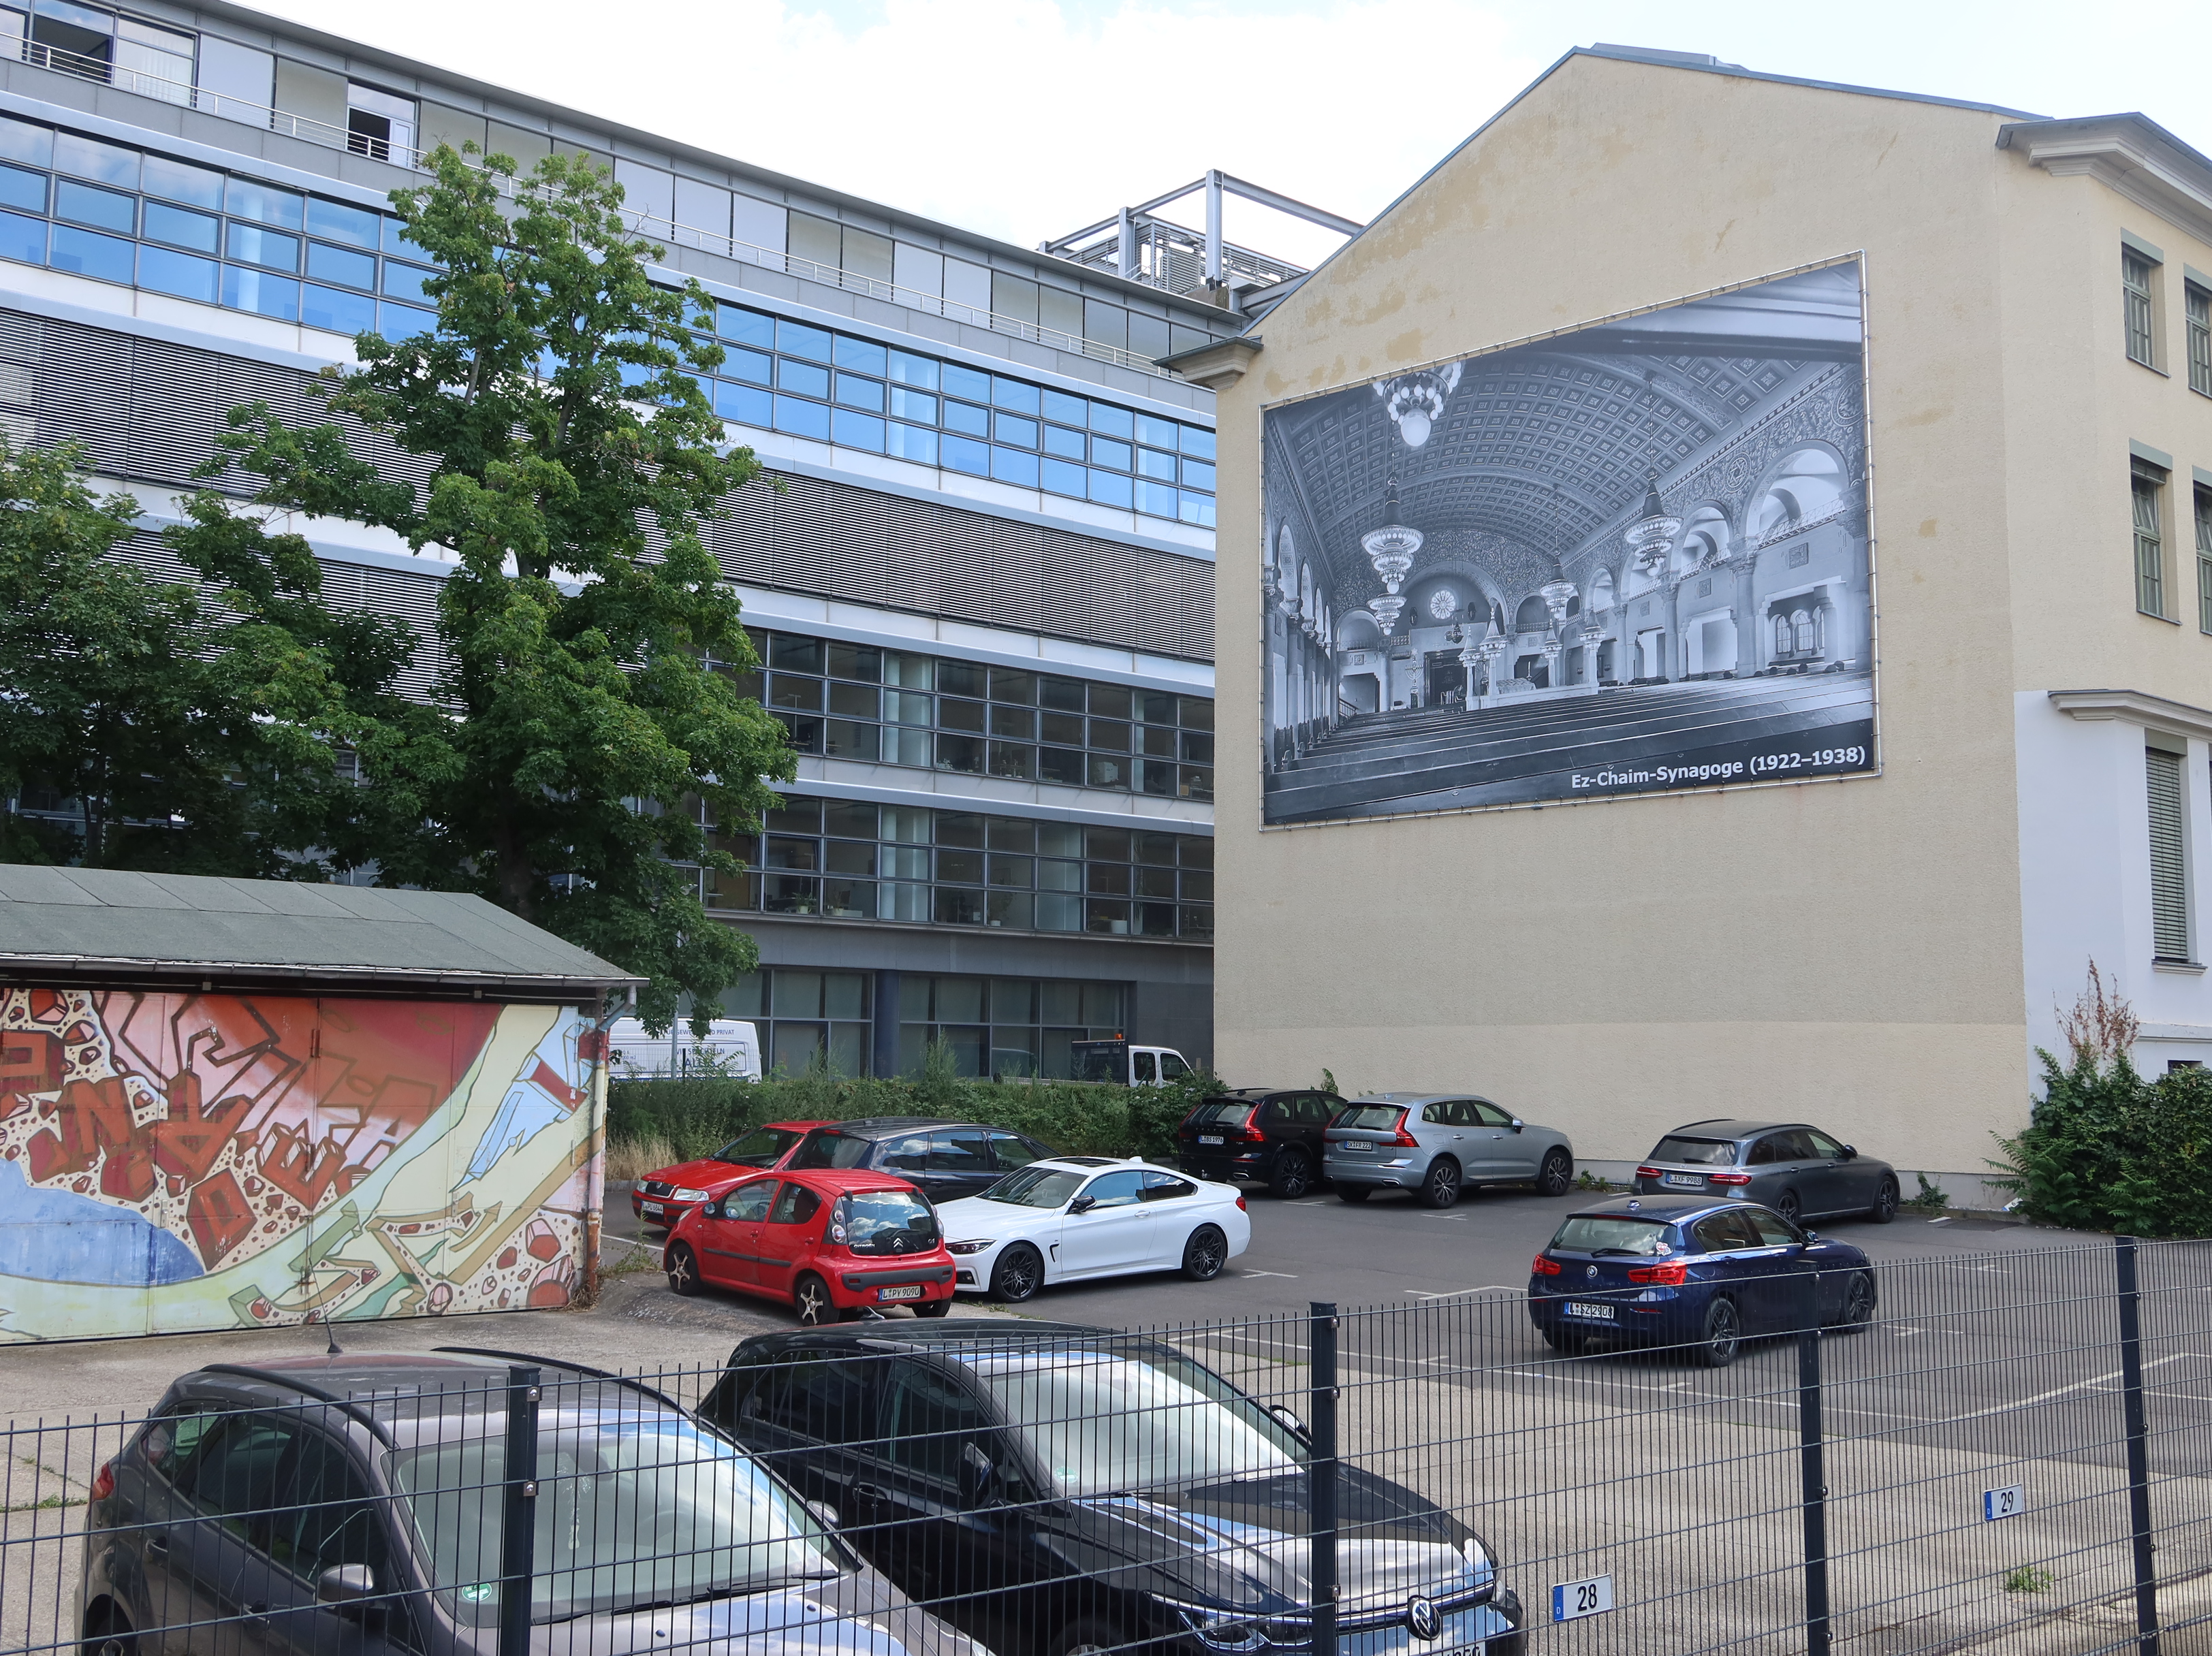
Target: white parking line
x=1287, y=1276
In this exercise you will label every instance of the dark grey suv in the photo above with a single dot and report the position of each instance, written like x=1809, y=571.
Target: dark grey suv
x=1799, y=1171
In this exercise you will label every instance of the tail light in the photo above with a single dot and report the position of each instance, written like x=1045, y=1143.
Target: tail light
x=1647, y=1173
x=1542, y=1267
x=103, y=1482
x=1671, y=1274
x=1249, y=1133
x=1405, y=1139
x=1240, y=1208
x=1731, y=1179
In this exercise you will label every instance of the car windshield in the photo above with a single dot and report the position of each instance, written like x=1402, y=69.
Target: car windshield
x=1101, y=1424
x=757, y=1148
x=1376, y=1117
x=831, y=1149
x=887, y=1221
x=1220, y=1112
x=1696, y=1152
x=1035, y=1187
x=1595, y=1233
x=631, y=1514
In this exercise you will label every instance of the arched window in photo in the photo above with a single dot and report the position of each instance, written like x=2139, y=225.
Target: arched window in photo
x=1807, y=489
x=1783, y=635
x=1802, y=621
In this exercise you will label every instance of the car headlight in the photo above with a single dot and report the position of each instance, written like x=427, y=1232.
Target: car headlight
x=1219, y=1629
x=970, y=1247
x=682, y=1193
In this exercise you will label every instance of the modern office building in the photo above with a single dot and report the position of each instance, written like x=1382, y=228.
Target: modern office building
x=984, y=595
x=1717, y=584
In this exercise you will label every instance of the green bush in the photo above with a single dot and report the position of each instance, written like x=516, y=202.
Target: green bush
x=2106, y=1150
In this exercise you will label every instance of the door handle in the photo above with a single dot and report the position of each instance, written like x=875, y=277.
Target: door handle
x=872, y=1492
x=258, y=1613
x=157, y=1545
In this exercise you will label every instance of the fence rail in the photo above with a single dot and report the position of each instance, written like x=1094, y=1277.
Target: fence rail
x=1989, y=1445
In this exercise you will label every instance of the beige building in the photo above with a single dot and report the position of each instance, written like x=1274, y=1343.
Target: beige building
x=1661, y=705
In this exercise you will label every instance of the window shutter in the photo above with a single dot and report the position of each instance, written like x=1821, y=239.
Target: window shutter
x=2169, y=876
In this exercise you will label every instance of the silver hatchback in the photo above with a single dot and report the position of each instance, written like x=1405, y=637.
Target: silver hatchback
x=1436, y=1144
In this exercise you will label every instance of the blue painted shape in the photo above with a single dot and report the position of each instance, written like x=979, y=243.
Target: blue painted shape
x=58, y=1236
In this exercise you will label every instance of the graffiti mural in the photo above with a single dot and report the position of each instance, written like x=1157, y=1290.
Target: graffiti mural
x=172, y=1161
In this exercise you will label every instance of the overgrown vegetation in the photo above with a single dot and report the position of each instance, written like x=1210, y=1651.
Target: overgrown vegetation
x=2029, y=1578
x=2107, y=1148
x=1931, y=1197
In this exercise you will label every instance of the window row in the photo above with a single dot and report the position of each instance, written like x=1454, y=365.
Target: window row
x=2150, y=489
x=2143, y=311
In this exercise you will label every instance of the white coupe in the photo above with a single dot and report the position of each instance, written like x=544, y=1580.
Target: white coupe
x=1074, y=1217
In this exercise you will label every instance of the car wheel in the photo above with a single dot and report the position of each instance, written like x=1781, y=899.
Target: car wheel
x=934, y=1307
x=810, y=1296
x=1885, y=1204
x=1440, y=1189
x=1859, y=1300
x=682, y=1271
x=107, y=1633
x=1205, y=1254
x=1788, y=1206
x=1087, y=1636
x=1293, y=1176
x=1353, y=1192
x=1723, y=1335
x=1017, y=1276
x=1558, y=1175
x=1572, y=1341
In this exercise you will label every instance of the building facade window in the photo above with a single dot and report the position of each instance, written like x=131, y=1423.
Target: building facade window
x=2146, y=484
x=803, y=1015
x=2203, y=558
x=2137, y=276
x=2169, y=868
x=1004, y=1025
x=2199, y=307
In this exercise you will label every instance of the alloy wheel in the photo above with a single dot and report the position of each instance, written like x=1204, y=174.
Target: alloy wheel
x=811, y=1297
x=1441, y=1188
x=1788, y=1206
x=1294, y=1178
x=1859, y=1302
x=1723, y=1335
x=1884, y=1205
x=1558, y=1174
x=1020, y=1274
x=682, y=1271
x=1205, y=1254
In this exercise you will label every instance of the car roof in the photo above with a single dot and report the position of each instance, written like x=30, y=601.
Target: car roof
x=1671, y=1209
x=1726, y=1126
x=997, y=1332
x=1419, y=1098
x=790, y=1126
x=829, y=1180
x=882, y=1126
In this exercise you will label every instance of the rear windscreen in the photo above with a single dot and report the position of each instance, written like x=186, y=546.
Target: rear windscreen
x=887, y=1221
x=1587, y=1233
x=1379, y=1118
x=830, y=1149
x=757, y=1148
x=1103, y=1061
x=1220, y=1112
x=1696, y=1152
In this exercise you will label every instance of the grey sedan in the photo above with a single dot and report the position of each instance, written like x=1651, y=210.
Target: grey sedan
x=1436, y=1144
x=1797, y=1170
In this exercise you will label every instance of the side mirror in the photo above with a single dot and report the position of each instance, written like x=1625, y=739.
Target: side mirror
x=1518, y=1124
x=1851, y=1152
x=1812, y=1236
x=1082, y=1205
x=345, y=1584
x=977, y=1474
x=825, y=1514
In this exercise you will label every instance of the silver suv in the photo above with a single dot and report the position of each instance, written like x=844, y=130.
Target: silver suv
x=1436, y=1144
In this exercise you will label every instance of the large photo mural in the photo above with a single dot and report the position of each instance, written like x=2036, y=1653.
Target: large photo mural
x=1628, y=558
x=173, y=1161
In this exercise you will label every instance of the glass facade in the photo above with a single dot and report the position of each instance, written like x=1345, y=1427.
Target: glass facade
x=799, y=1013
x=896, y=708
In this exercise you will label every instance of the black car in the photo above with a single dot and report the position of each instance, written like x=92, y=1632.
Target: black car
x=1270, y=1134
x=946, y=1160
x=1054, y=1489
x=1797, y=1170
x=351, y=1506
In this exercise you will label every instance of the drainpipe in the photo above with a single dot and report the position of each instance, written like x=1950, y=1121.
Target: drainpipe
x=595, y=1140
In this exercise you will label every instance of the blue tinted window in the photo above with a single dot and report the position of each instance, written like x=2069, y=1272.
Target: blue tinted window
x=912, y=443
x=855, y=392
x=920, y=371
x=967, y=418
x=1156, y=499
x=1196, y=474
x=397, y=244
x=339, y=311
x=195, y=187
x=88, y=158
x=1110, y=489
x=1197, y=444
x=1068, y=410
x=336, y=264
x=21, y=189
x=913, y=405
x=743, y=404
x=88, y=253
x=634, y=374
x=404, y=281
x=1016, y=394
x=89, y=205
x=1068, y=445
x=182, y=226
x=1105, y=453
x=21, y=141
x=797, y=339
x=181, y=274
x=1111, y=421
x=259, y=291
x=1012, y=429
x=1151, y=462
x=860, y=356
x=1013, y=465
x=1160, y=434
x=257, y=247
x=404, y=321
x=802, y=419
x=802, y=377
x=966, y=382
x=22, y=239
x=1198, y=509
x=739, y=363
x=356, y=227
x=856, y=430
x=1063, y=478
x=966, y=454
x=244, y=199
x=746, y=327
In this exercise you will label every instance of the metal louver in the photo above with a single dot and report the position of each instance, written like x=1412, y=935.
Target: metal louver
x=2169, y=867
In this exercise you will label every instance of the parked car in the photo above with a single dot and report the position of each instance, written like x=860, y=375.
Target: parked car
x=352, y=1504
x=1079, y=1216
x=1691, y=1272
x=1437, y=1144
x=831, y=1245
x=1099, y=1491
x=1118, y=1063
x=1797, y=1170
x=943, y=1160
x=667, y=1194
x=731, y=1046
x=1269, y=1134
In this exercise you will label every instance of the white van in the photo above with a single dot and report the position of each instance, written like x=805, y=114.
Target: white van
x=731, y=1047
x=1118, y=1063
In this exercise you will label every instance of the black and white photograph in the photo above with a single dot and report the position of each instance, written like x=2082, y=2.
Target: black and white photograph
x=1627, y=558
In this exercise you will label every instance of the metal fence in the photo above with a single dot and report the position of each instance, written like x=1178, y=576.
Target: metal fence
x=1999, y=1443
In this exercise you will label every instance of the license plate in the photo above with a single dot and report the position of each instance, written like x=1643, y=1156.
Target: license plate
x=1684, y=1181
x=914, y=1292
x=1209, y=1138
x=1600, y=1314
x=1356, y=1146
x=652, y=1207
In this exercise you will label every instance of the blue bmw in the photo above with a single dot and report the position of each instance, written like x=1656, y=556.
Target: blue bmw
x=1703, y=1275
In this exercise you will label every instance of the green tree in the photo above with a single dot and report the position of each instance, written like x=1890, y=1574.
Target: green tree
x=576, y=459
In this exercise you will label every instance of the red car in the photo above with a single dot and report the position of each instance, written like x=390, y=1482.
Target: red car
x=829, y=1242
x=667, y=1194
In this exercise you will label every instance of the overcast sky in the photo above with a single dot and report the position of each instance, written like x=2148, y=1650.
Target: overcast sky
x=1027, y=118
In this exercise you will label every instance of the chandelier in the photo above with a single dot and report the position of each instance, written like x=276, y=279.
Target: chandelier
x=1386, y=610
x=1558, y=591
x=1390, y=550
x=1415, y=402
x=1652, y=535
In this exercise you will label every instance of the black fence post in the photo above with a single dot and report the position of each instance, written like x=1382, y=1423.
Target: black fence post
x=518, y=1514
x=2138, y=1425
x=1321, y=1337
x=1813, y=1471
